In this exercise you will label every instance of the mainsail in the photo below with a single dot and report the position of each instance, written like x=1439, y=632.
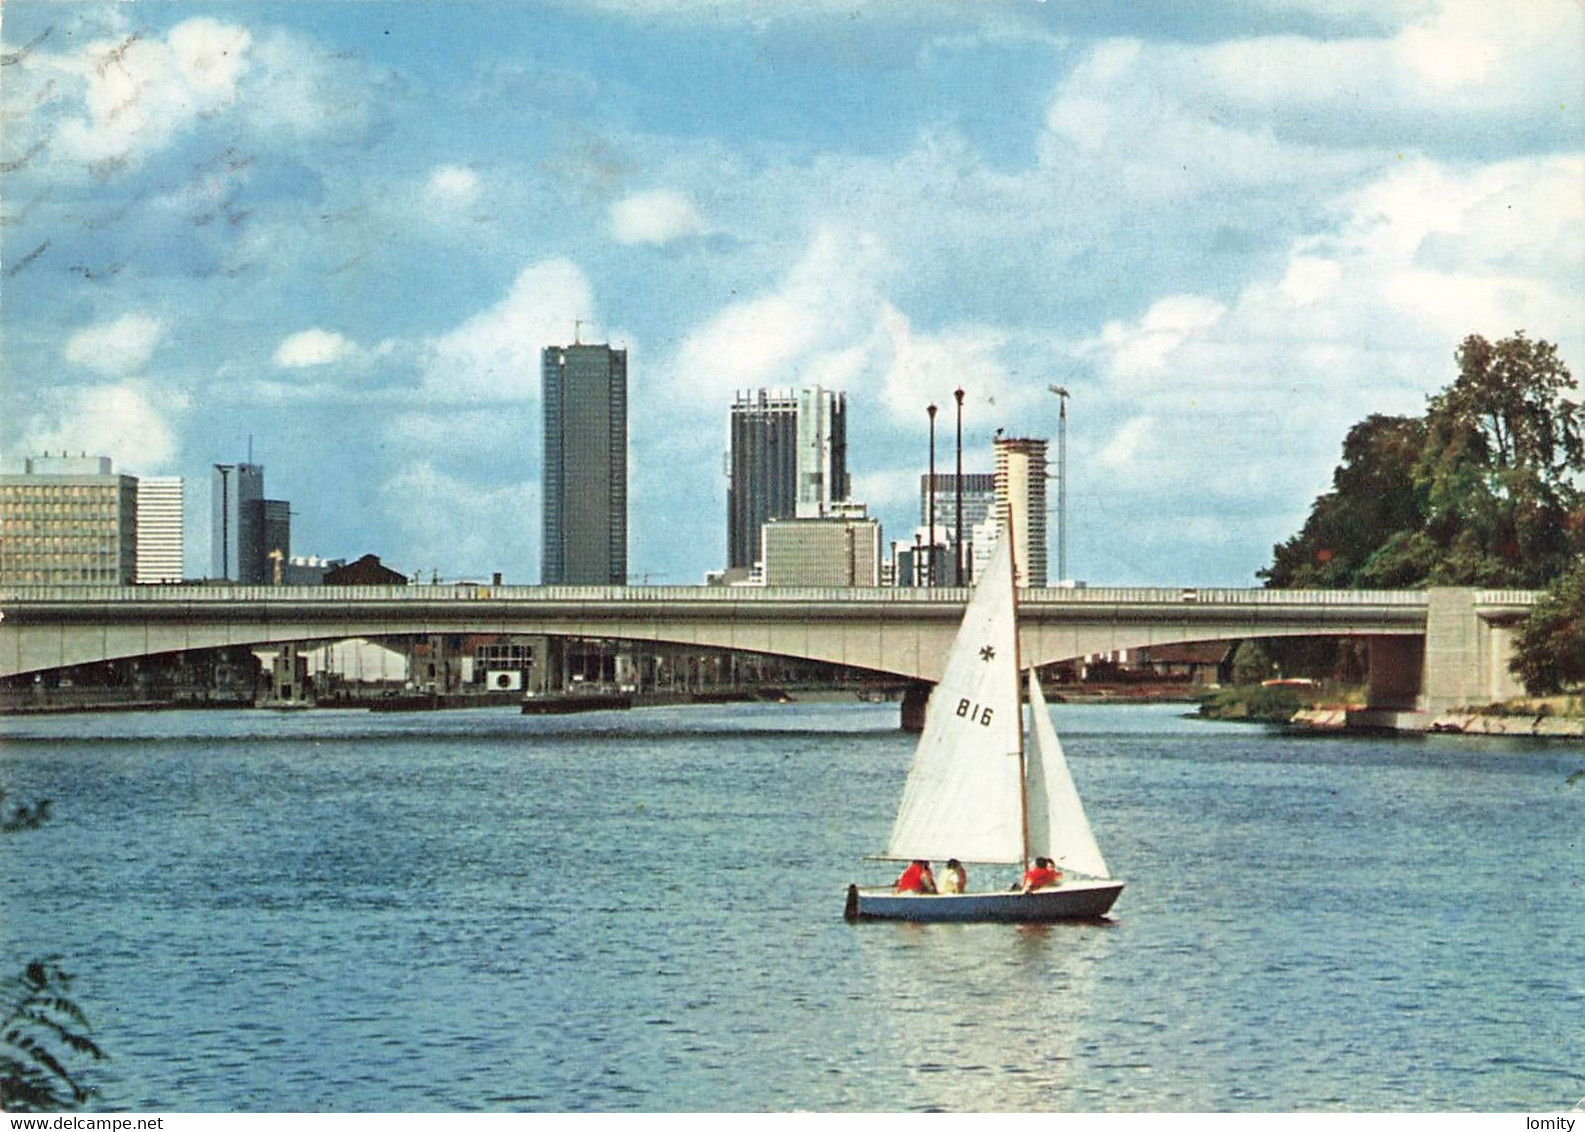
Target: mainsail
x=1057, y=825
x=962, y=796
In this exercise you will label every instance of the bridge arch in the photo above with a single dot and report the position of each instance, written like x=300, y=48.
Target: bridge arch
x=904, y=632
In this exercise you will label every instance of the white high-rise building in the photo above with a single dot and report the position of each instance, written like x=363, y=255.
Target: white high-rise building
x=160, y=544
x=822, y=451
x=1021, y=488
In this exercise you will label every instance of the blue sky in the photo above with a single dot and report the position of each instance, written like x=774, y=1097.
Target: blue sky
x=345, y=230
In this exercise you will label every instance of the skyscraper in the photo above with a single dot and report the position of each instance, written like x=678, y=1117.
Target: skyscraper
x=160, y=539
x=277, y=544
x=1021, y=486
x=585, y=483
x=762, y=471
x=237, y=531
x=979, y=502
x=822, y=451
x=788, y=459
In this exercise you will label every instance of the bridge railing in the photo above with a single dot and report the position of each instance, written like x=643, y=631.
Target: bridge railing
x=1507, y=597
x=747, y=595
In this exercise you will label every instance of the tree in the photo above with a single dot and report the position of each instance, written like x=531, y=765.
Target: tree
x=1549, y=652
x=41, y=1028
x=1251, y=663
x=1503, y=451
x=1374, y=498
x=1481, y=491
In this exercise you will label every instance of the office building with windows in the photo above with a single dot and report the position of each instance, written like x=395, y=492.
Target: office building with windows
x=842, y=550
x=787, y=459
x=822, y=452
x=762, y=471
x=979, y=503
x=277, y=544
x=68, y=520
x=584, y=531
x=237, y=530
x=1021, y=492
x=160, y=541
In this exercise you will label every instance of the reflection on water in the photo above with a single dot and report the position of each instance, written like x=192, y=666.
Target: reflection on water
x=980, y=1016
x=642, y=911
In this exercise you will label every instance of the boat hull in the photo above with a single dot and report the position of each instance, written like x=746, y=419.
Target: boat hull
x=1073, y=900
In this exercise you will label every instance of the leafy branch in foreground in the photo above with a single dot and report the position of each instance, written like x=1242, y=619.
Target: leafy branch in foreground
x=41, y=1023
x=41, y=1028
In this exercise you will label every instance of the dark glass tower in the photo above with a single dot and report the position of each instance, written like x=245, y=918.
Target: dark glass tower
x=585, y=485
x=788, y=459
x=237, y=534
x=763, y=471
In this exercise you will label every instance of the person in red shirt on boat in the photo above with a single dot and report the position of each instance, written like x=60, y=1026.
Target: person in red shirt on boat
x=917, y=877
x=1041, y=874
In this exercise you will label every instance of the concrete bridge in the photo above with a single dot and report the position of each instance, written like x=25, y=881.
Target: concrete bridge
x=1430, y=649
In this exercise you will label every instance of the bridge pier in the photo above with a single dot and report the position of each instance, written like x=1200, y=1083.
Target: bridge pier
x=1466, y=653
x=288, y=676
x=1462, y=661
x=916, y=698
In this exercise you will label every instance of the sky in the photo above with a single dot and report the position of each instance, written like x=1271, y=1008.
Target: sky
x=342, y=233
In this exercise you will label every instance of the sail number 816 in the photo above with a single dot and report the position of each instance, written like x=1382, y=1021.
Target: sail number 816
x=975, y=712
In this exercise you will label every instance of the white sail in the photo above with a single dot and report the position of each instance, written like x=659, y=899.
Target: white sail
x=1057, y=826
x=962, y=796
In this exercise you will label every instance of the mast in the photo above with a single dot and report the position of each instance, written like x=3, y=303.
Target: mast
x=1018, y=693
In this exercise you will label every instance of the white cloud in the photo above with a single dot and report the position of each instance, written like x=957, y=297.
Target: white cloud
x=141, y=92
x=1144, y=348
x=454, y=526
x=657, y=217
x=1248, y=401
x=453, y=186
x=127, y=422
x=829, y=321
x=919, y=369
x=313, y=347
x=495, y=355
x=116, y=348
x=823, y=304
x=1309, y=279
x=1127, y=444
x=1451, y=60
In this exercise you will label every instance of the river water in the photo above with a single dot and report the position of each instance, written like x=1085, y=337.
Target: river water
x=641, y=910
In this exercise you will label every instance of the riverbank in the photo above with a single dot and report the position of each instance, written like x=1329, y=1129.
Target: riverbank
x=1551, y=717
x=1338, y=709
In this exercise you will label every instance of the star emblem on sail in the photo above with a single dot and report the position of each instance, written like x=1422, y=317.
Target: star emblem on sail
x=987, y=653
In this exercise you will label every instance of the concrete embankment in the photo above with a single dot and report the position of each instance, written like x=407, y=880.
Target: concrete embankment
x=1536, y=726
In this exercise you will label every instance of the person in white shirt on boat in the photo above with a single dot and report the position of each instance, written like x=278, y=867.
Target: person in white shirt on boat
x=954, y=879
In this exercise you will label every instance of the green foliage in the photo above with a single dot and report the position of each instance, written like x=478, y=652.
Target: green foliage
x=1549, y=652
x=41, y=1029
x=1251, y=663
x=1481, y=491
x=1374, y=498
x=1254, y=704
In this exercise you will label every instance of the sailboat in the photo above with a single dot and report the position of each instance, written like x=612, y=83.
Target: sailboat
x=977, y=792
